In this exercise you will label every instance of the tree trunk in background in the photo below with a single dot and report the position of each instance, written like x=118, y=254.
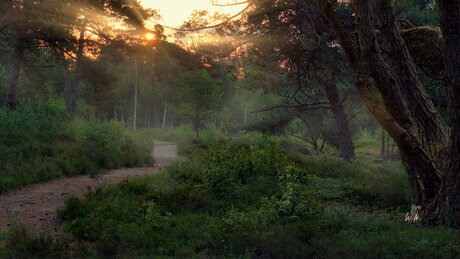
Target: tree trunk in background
x=68, y=90
x=18, y=55
x=135, y=93
x=121, y=109
x=382, y=152
x=78, y=65
x=163, y=125
x=388, y=147
x=347, y=150
x=196, y=125
x=155, y=107
x=156, y=114
x=246, y=113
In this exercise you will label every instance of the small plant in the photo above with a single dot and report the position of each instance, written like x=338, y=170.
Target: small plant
x=24, y=242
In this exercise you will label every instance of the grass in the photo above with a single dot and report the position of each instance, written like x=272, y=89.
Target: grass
x=41, y=142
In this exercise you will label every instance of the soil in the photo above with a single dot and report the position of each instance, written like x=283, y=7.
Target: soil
x=36, y=205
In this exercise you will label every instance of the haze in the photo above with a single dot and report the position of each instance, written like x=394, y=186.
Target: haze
x=175, y=12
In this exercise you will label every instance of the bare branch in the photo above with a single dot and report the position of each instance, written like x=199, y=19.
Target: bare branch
x=205, y=27
x=305, y=106
x=353, y=116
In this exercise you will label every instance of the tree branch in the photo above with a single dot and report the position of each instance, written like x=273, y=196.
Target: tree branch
x=306, y=106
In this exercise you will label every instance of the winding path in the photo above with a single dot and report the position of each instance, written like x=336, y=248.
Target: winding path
x=36, y=205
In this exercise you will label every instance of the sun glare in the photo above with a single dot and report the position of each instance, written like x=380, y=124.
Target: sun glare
x=149, y=36
x=175, y=12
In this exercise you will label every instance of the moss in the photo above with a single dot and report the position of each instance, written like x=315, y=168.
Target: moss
x=426, y=47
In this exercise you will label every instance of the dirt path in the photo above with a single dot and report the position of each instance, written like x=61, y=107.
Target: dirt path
x=36, y=205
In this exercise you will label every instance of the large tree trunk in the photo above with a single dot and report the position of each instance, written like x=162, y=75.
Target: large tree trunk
x=435, y=129
x=447, y=207
x=423, y=173
x=383, y=98
x=18, y=55
x=345, y=142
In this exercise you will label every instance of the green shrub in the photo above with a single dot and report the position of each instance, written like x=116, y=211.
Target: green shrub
x=226, y=168
x=184, y=130
x=383, y=186
x=186, y=171
x=40, y=142
x=210, y=133
x=294, y=200
x=23, y=242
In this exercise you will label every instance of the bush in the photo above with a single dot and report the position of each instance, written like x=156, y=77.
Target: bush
x=25, y=243
x=210, y=133
x=40, y=142
x=383, y=186
x=226, y=168
x=294, y=200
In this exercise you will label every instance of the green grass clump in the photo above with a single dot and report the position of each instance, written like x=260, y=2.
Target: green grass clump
x=378, y=185
x=40, y=142
x=22, y=242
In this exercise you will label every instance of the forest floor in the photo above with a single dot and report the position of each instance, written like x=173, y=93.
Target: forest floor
x=36, y=205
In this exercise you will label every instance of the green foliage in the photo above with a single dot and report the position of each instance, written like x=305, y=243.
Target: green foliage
x=197, y=95
x=23, y=242
x=284, y=209
x=420, y=12
x=40, y=142
x=227, y=168
x=382, y=186
x=210, y=133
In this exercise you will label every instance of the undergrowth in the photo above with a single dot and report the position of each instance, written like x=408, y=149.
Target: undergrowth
x=256, y=201
x=40, y=142
x=241, y=200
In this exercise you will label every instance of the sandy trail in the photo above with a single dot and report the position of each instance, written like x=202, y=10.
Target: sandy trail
x=36, y=204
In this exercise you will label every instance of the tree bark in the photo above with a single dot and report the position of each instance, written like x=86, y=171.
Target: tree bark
x=347, y=150
x=383, y=99
x=18, y=55
x=434, y=176
x=447, y=206
x=420, y=105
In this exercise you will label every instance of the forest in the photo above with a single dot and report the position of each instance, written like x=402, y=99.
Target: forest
x=230, y=129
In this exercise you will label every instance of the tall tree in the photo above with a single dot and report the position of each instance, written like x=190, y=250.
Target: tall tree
x=32, y=24
x=296, y=40
x=197, y=94
x=392, y=91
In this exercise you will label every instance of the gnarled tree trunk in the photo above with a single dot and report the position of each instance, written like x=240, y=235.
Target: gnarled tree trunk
x=447, y=207
x=400, y=104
